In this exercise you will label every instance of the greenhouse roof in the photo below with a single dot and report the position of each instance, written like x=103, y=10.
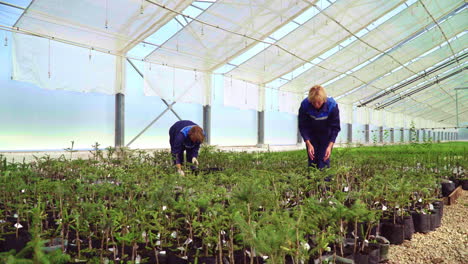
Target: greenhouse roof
x=401, y=56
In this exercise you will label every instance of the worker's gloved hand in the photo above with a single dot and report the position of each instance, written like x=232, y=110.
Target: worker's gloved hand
x=195, y=161
x=181, y=172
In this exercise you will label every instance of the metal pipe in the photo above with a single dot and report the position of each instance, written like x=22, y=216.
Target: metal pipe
x=12, y=5
x=456, y=105
x=207, y=123
x=150, y=124
x=119, y=120
x=419, y=89
x=416, y=78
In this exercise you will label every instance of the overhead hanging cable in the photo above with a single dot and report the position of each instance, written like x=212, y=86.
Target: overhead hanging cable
x=420, y=33
x=254, y=39
x=440, y=28
x=195, y=19
x=81, y=45
x=365, y=42
x=16, y=29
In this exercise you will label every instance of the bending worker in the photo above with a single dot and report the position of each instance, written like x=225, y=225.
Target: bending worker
x=319, y=124
x=187, y=136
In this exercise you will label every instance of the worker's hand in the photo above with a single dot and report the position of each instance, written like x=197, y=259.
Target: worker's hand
x=327, y=153
x=181, y=172
x=310, y=150
x=195, y=161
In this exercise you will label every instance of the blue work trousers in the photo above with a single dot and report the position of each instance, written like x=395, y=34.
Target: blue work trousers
x=320, y=144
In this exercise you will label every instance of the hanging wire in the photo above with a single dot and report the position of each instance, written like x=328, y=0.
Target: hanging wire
x=281, y=13
x=202, y=32
x=6, y=40
x=90, y=53
x=107, y=15
x=141, y=8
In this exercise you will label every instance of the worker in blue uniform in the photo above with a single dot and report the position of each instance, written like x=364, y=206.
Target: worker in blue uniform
x=319, y=124
x=187, y=136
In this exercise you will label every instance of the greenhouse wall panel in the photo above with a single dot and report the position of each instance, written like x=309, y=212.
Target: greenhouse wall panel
x=280, y=128
x=359, y=133
x=32, y=118
x=233, y=127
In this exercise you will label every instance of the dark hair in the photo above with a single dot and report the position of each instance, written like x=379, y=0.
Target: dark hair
x=196, y=134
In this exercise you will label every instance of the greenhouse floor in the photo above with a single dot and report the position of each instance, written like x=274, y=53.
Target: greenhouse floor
x=28, y=156
x=448, y=244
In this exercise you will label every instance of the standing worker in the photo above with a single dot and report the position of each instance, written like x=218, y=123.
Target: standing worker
x=185, y=135
x=319, y=124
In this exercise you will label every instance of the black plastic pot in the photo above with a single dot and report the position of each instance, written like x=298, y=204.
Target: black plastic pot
x=360, y=258
x=435, y=220
x=422, y=222
x=464, y=184
x=395, y=233
x=409, y=226
x=384, y=245
x=374, y=253
x=447, y=188
x=456, y=181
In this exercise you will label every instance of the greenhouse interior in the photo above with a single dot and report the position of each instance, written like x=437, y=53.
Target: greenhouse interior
x=233, y=131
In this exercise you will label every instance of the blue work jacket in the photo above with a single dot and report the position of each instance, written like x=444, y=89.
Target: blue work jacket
x=323, y=123
x=180, y=140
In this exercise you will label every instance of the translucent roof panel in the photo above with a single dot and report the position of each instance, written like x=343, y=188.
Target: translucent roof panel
x=416, y=55
x=429, y=96
x=403, y=74
x=114, y=25
x=313, y=38
x=395, y=30
x=11, y=10
x=205, y=47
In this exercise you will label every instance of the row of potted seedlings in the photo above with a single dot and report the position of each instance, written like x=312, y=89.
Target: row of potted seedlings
x=130, y=206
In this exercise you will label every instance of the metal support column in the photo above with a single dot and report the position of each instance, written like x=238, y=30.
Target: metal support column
x=119, y=132
x=392, y=135
x=456, y=105
x=260, y=128
x=119, y=120
x=350, y=133
x=402, y=136
x=366, y=132
x=207, y=123
x=417, y=135
x=381, y=134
